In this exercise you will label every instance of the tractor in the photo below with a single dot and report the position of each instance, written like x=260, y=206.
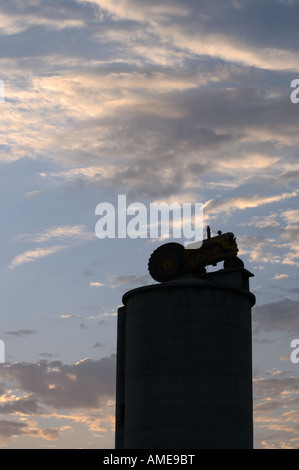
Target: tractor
x=172, y=260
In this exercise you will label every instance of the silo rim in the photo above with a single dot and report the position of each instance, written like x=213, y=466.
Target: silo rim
x=194, y=281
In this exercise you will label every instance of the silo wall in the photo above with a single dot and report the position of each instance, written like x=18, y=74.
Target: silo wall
x=185, y=364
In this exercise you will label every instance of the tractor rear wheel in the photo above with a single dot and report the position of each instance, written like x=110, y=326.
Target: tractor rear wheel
x=233, y=262
x=167, y=262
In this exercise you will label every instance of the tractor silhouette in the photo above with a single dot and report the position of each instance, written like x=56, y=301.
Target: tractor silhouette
x=172, y=260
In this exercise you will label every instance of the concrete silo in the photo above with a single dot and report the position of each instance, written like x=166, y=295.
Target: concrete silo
x=184, y=364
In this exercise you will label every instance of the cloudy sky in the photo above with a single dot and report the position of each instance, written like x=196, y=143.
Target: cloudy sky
x=159, y=101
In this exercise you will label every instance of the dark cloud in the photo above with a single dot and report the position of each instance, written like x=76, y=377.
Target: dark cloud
x=175, y=125
x=10, y=429
x=133, y=279
x=82, y=385
x=67, y=13
x=255, y=21
x=87, y=384
x=175, y=152
x=294, y=290
x=281, y=316
x=45, y=354
x=89, y=272
x=287, y=176
x=98, y=345
x=26, y=406
x=13, y=429
x=21, y=333
x=291, y=234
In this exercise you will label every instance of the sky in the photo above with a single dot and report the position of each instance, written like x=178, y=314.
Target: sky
x=158, y=101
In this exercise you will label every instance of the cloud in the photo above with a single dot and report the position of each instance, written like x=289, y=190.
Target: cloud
x=276, y=414
x=73, y=234
x=291, y=216
x=263, y=222
x=287, y=176
x=291, y=233
x=23, y=406
x=157, y=132
x=134, y=279
x=243, y=202
x=36, y=391
x=232, y=32
x=281, y=316
x=86, y=384
x=125, y=125
x=140, y=11
x=10, y=429
x=20, y=333
x=59, y=233
x=17, y=17
x=111, y=108
x=33, y=255
x=98, y=345
x=33, y=193
x=221, y=46
x=70, y=316
x=116, y=280
x=47, y=434
x=294, y=290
